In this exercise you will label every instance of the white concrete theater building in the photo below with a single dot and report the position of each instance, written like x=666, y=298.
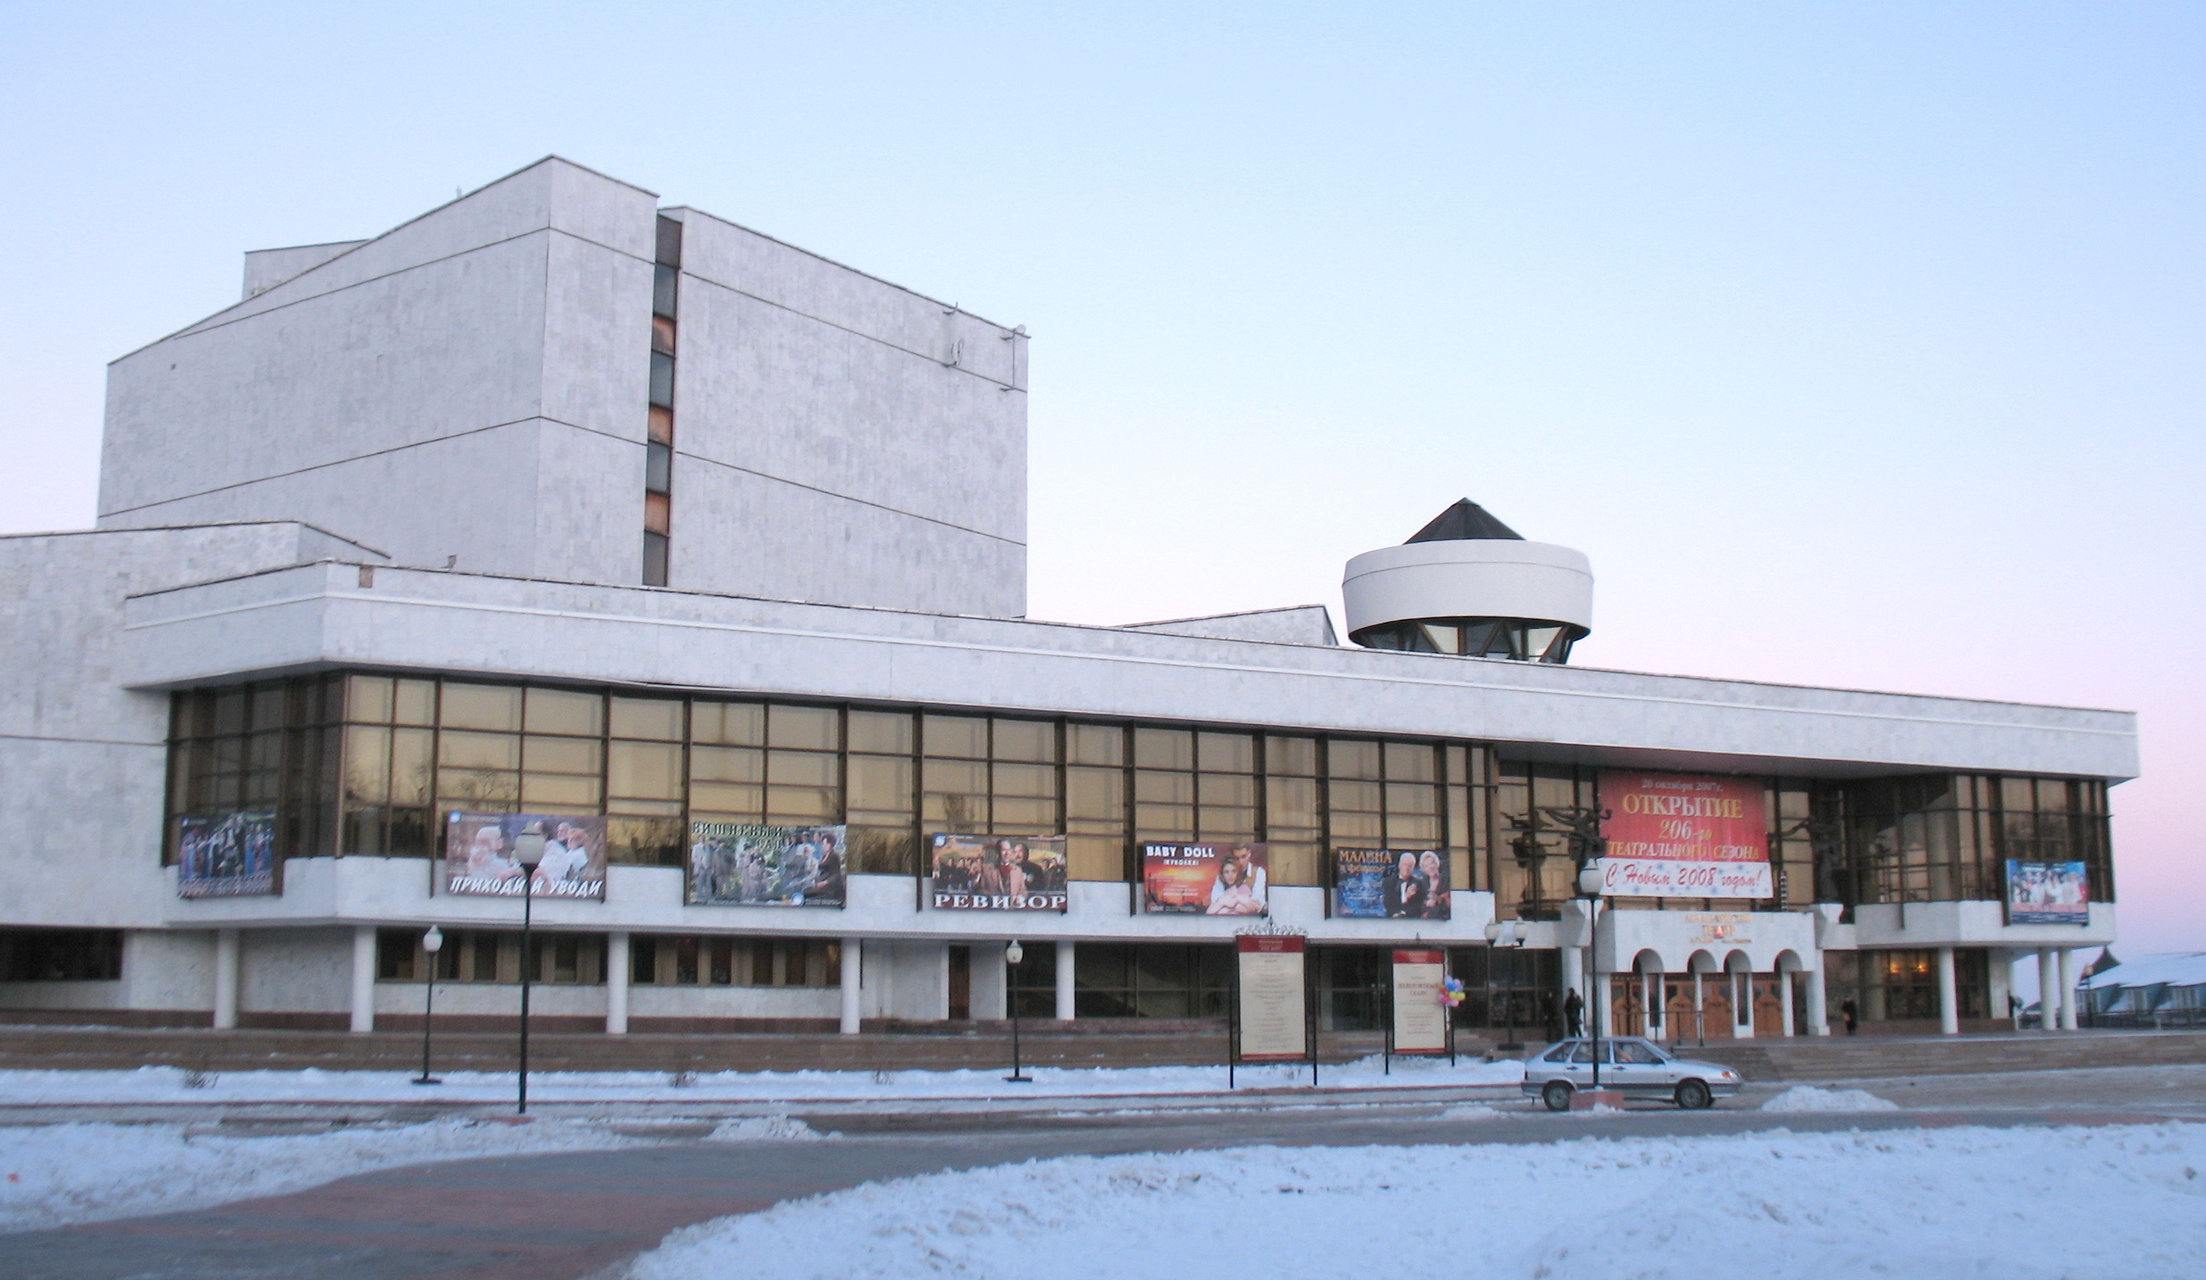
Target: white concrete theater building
x=556, y=502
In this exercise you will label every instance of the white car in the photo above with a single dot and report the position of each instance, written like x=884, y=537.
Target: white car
x=1634, y=1067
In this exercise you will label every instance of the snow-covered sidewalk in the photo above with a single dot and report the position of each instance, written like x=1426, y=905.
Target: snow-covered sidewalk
x=2016, y=1204
x=172, y=1085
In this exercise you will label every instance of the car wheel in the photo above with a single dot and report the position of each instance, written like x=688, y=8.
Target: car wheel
x=1557, y=1095
x=1693, y=1095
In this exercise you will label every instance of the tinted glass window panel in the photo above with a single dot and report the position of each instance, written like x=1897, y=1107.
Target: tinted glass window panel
x=367, y=699
x=479, y=706
x=731, y=723
x=890, y=732
x=814, y=728
x=1164, y=748
x=1296, y=756
x=962, y=736
x=1033, y=740
x=1095, y=743
x=658, y=719
x=646, y=770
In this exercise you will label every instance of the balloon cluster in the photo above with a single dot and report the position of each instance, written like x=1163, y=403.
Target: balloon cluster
x=1451, y=992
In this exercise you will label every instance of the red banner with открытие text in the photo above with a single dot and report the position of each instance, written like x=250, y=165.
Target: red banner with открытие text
x=1676, y=835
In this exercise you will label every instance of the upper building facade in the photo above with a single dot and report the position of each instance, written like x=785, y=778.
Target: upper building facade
x=553, y=377
x=642, y=533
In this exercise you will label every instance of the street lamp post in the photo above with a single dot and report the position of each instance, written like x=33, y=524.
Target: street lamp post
x=1589, y=884
x=1012, y=955
x=1502, y=935
x=431, y=943
x=528, y=850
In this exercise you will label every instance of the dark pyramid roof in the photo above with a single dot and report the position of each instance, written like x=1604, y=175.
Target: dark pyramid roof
x=1466, y=521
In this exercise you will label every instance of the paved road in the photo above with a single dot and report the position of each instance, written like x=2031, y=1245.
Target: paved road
x=557, y=1216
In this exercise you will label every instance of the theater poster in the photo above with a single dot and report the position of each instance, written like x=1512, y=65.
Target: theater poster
x=480, y=854
x=998, y=873
x=1420, y=1006
x=1272, y=1016
x=227, y=855
x=746, y=864
x=2047, y=893
x=1206, y=879
x=1676, y=835
x=1398, y=884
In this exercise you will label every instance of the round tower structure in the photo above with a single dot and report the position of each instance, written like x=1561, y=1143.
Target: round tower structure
x=1467, y=584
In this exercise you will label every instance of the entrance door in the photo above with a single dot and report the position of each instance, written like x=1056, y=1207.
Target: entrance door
x=1627, y=1004
x=961, y=984
x=1678, y=1019
x=1716, y=1006
x=1769, y=1008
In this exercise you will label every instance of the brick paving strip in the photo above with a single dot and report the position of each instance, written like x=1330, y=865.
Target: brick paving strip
x=576, y=1215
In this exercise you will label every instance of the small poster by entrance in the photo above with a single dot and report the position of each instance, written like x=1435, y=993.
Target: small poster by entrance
x=1420, y=1002
x=1272, y=1016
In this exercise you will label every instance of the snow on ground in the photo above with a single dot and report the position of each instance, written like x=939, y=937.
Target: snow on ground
x=1802, y=1097
x=171, y=1084
x=56, y=1174
x=2016, y=1204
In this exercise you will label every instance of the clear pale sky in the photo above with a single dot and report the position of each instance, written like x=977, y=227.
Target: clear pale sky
x=1856, y=344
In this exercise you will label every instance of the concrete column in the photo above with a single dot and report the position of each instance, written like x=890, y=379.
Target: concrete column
x=2048, y=990
x=1949, y=995
x=1784, y=1003
x=990, y=988
x=1700, y=1011
x=1651, y=983
x=1065, y=986
x=226, y=948
x=363, y=977
x=1600, y=1003
x=853, y=960
x=1819, y=1005
x=1742, y=1004
x=2071, y=973
x=1999, y=964
x=616, y=983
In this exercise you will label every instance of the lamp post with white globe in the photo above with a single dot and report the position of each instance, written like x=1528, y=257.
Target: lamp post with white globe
x=528, y=850
x=1590, y=886
x=431, y=943
x=1012, y=955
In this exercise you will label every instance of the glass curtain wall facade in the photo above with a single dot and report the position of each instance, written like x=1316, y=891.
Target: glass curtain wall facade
x=362, y=764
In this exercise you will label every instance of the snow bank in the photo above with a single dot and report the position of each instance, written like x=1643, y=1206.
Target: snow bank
x=1803, y=1097
x=171, y=1084
x=2017, y=1204
x=766, y=1129
x=56, y=1174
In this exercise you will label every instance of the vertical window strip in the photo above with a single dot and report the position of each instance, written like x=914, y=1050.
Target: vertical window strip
x=658, y=481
